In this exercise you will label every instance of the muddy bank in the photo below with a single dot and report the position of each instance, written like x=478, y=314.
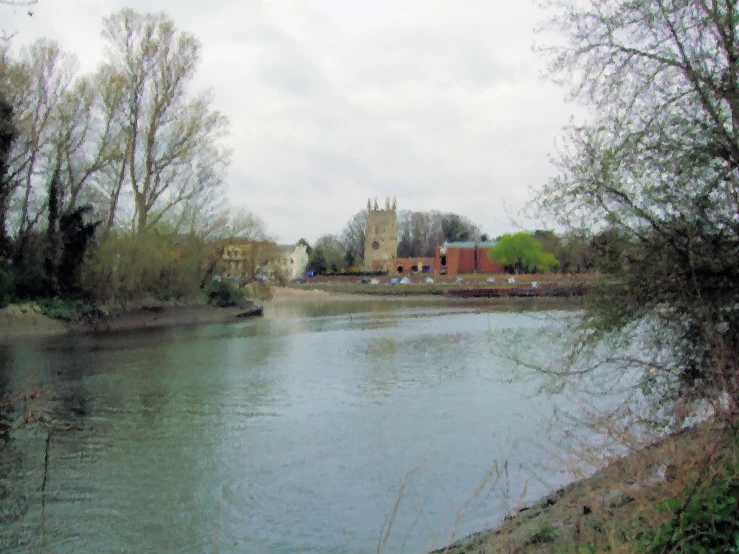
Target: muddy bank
x=27, y=320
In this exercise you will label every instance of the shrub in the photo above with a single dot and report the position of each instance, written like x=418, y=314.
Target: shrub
x=126, y=268
x=704, y=523
x=544, y=533
x=67, y=310
x=224, y=294
x=7, y=287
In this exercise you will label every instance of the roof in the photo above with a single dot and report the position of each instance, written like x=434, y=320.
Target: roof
x=470, y=244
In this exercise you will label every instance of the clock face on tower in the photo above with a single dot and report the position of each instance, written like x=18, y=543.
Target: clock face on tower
x=375, y=245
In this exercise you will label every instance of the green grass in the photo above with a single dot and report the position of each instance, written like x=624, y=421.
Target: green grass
x=65, y=310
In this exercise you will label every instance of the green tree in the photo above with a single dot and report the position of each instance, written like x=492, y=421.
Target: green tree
x=8, y=133
x=317, y=263
x=308, y=248
x=333, y=250
x=353, y=239
x=521, y=252
x=455, y=230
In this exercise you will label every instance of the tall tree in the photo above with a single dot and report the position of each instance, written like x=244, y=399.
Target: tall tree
x=455, y=230
x=353, y=238
x=419, y=233
x=53, y=246
x=173, y=153
x=333, y=251
x=35, y=85
x=658, y=163
x=8, y=133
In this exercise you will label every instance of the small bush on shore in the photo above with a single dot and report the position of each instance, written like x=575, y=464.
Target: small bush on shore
x=6, y=287
x=224, y=294
x=703, y=523
x=66, y=310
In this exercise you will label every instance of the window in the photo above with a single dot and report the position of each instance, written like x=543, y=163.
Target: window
x=375, y=245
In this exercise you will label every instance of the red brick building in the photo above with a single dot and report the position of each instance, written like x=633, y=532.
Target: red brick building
x=454, y=258
x=413, y=265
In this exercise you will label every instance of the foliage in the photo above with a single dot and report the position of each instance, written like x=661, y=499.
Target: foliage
x=329, y=255
x=317, y=262
x=172, y=151
x=456, y=230
x=125, y=268
x=419, y=233
x=27, y=266
x=67, y=310
x=76, y=237
x=308, y=247
x=224, y=294
x=522, y=252
x=7, y=287
x=8, y=133
x=544, y=533
x=658, y=165
x=704, y=523
x=352, y=239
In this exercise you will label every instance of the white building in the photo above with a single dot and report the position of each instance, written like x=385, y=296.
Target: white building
x=294, y=260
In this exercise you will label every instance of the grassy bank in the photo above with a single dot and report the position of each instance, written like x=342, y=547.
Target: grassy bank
x=678, y=495
x=59, y=317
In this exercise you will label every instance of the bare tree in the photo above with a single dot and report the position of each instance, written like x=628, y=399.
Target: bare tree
x=36, y=84
x=173, y=154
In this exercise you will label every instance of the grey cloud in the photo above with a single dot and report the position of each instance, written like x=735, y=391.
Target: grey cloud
x=432, y=101
x=292, y=73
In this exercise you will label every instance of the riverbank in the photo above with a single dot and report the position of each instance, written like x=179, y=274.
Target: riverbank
x=610, y=510
x=28, y=320
x=470, y=288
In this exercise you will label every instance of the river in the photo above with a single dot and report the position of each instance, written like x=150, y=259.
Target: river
x=292, y=433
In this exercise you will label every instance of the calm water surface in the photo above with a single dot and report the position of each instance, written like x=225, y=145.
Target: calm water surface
x=287, y=434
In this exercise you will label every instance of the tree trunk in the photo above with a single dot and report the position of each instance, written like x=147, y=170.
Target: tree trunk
x=141, y=215
x=51, y=261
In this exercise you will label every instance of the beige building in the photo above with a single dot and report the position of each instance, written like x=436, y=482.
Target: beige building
x=380, y=236
x=241, y=259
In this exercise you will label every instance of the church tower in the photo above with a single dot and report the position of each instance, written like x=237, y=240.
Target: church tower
x=380, y=235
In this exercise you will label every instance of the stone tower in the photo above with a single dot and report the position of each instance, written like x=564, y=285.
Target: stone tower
x=380, y=235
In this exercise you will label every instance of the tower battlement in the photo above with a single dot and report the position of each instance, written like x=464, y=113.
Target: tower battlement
x=389, y=206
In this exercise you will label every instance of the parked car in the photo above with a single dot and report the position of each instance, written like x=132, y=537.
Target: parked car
x=299, y=280
x=363, y=282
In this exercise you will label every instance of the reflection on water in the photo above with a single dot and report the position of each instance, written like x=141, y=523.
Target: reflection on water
x=285, y=434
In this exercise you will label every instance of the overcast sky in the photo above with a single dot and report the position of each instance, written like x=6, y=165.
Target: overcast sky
x=439, y=103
